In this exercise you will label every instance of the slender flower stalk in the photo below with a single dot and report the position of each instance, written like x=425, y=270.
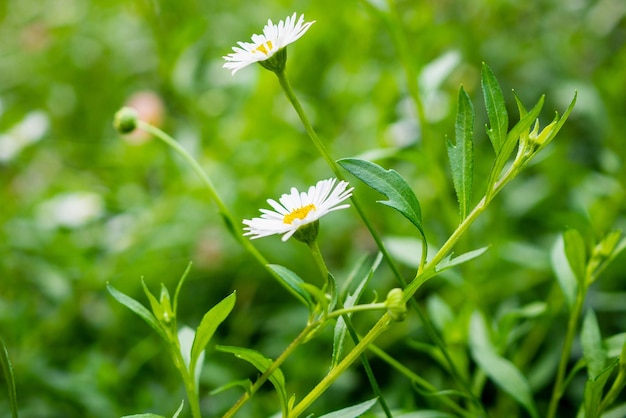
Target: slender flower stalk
x=128, y=121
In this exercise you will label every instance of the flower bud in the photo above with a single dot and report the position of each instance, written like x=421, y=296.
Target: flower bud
x=125, y=120
x=166, y=304
x=541, y=138
x=396, y=307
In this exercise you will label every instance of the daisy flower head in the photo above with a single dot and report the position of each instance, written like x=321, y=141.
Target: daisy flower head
x=298, y=212
x=268, y=49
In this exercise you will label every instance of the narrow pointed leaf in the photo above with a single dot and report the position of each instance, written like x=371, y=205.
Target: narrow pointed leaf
x=496, y=108
x=157, y=309
x=179, y=410
x=207, y=327
x=447, y=263
x=294, y=282
x=262, y=364
x=389, y=183
x=499, y=369
x=512, y=138
x=137, y=308
x=561, y=121
x=461, y=153
x=351, y=300
x=593, y=348
x=575, y=252
x=246, y=384
x=353, y=411
x=9, y=377
x=179, y=286
x=507, y=377
x=594, y=389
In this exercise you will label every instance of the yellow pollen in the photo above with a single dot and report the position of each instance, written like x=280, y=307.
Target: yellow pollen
x=264, y=48
x=299, y=213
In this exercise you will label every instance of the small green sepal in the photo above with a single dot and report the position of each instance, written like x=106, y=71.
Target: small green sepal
x=276, y=63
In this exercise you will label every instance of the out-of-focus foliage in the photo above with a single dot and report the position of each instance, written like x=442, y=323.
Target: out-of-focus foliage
x=80, y=206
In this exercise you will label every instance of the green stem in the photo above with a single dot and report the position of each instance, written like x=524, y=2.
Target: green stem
x=428, y=272
x=229, y=220
x=358, y=308
x=616, y=388
x=293, y=99
x=319, y=262
x=381, y=326
x=188, y=379
x=273, y=367
x=319, y=259
x=419, y=381
x=291, y=96
x=572, y=326
x=368, y=369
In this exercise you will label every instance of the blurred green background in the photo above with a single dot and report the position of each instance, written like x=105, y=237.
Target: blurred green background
x=80, y=206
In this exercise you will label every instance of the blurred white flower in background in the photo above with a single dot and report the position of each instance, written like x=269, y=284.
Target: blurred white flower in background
x=70, y=210
x=28, y=131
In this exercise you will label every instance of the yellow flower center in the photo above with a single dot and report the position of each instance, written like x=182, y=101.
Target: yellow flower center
x=264, y=48
x=299, y=213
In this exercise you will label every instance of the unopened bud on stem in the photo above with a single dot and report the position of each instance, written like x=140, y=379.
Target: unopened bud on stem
x=125, y=120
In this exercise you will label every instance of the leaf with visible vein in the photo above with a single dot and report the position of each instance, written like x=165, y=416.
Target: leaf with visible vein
x=137, y=308
x=389, y=183
x=496, y=108
x=461, y=153
x=211, y=320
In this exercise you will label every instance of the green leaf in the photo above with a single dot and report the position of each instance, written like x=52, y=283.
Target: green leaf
x=262, y=364
x=593, y=348
x=594, y=388
x=294, y=282
x=157, y=309
x=511, y=141
x=179, y=286
x=179, y=410
x=353, y=411
x=137, y=308
x=441, y=314
x=564, y=274
x=561, y=121
x=503, y=372
x=246, y=384
x=614, y=344
x=390, y=184
x=461, y=153
x=575, y=252
x=9, y=378
x=149, y=415
x=211, y=320
x=352, y=299
x=448, y=262
x=496, y=108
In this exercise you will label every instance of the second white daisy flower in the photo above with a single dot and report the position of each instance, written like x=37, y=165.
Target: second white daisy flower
x=263, y=47
x=297, y=209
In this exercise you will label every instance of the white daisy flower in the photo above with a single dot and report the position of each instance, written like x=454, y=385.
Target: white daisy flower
x=263, y=47
x=297, y=209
